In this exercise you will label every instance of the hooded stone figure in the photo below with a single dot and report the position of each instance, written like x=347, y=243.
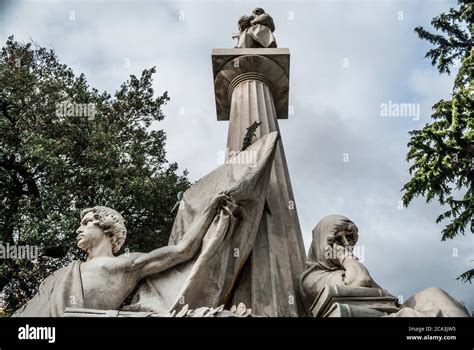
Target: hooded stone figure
x=330, y=262
x=256, y=30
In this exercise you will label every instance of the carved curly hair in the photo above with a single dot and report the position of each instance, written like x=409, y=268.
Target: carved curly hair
x=111, y=221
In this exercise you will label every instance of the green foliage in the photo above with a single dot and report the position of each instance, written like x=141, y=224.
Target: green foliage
x=467, y=276
x=53, y=165
x=455, y=42
x=249, y=135
x=442, y=152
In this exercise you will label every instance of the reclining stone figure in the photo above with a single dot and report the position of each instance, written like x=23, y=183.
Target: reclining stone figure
x=335, y=276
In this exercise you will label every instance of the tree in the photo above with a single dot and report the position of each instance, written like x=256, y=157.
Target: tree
x=65, y=147
x=442, y=152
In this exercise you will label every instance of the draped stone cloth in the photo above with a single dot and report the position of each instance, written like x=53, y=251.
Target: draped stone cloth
x=58, y=291
x=432, y=302
x=320, y=272
x=257, y=35
x=208, y=279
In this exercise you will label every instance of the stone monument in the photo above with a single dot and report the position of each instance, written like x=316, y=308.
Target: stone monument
x=193, y=276
x=336, y=284
x=104, y=280
x=251, y=84
x=255, y=30
x=236, y=240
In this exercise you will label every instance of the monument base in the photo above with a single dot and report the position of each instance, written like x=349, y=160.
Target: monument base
x=236, y=311
x=337, y=301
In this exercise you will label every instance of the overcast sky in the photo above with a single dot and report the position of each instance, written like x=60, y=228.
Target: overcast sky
x=347, y=58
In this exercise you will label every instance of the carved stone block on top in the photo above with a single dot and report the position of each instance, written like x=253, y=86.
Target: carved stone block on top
x=232, y=66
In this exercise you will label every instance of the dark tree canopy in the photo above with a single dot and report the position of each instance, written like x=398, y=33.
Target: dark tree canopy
x=442, y=153
x=56, y=159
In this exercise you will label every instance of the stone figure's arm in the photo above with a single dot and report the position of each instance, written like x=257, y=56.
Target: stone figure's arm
x=244, y=22
x=264, y=19
x=163, y=258
x=356, y=274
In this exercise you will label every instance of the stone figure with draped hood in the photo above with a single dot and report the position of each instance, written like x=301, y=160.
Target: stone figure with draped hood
x=256, y=30
x=331, y=266
x=330, y=260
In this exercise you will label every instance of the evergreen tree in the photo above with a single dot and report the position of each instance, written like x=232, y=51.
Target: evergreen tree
x=442, y=152
x=65, y=147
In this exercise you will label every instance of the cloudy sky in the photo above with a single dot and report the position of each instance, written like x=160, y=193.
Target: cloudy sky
x=347, y=58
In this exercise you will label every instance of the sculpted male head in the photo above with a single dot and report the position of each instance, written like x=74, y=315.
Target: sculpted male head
x=258, y=11
x=99, y=223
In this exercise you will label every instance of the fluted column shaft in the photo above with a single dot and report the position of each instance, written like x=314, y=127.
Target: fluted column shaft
x=270, y=280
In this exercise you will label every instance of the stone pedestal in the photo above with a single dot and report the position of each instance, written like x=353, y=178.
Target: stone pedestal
x=252, y=85
x=340, y=301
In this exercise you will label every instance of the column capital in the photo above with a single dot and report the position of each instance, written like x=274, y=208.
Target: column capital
x=269, y=65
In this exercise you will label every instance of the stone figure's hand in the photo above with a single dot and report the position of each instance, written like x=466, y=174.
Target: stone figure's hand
x=255, y=21
x=244, y=22
x=218, y=200
x=260, y=19
x=337, y=253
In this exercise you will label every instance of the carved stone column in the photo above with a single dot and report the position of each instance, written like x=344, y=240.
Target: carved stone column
x=252, y=85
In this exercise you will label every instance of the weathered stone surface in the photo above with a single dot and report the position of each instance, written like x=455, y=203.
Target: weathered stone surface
x=338, y=285
x=252, y=86
x=231, y=66
x=255, y=30
x=342, y=301
x=208, y=228
x=58, y=291
x=203, y=312
x=208, y=279
x=432, y=302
